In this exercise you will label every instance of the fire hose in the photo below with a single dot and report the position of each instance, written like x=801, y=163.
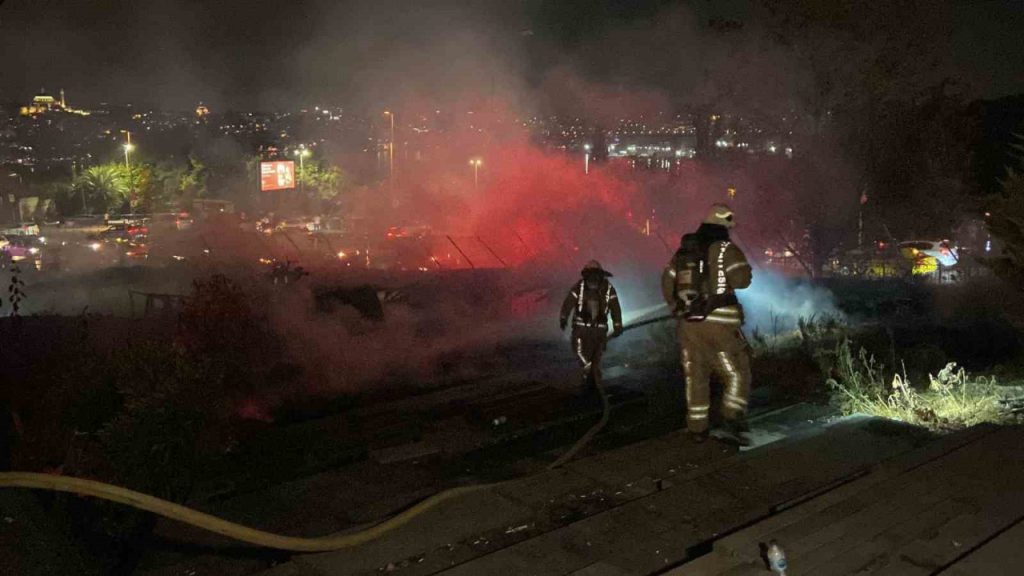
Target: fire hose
x=170, y=510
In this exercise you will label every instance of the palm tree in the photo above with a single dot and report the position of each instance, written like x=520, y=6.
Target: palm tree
x=105, y=186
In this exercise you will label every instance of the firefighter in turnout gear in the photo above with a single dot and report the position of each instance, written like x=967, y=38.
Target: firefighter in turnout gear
x=588, y=305
x=700, y=283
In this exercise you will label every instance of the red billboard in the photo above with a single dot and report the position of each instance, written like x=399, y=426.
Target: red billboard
x=278, y=175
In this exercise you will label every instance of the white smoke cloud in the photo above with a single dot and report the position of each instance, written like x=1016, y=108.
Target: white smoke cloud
x=774, y=303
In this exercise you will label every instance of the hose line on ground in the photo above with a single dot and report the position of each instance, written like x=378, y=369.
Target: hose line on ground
x=586, y=438
x=138, y=500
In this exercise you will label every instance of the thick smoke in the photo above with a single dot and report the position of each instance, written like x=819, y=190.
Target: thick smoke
x=774, y=304
x=455, y=80
x=544, y=216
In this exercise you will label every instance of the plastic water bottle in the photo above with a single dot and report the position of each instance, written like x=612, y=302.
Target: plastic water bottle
x=776, y=558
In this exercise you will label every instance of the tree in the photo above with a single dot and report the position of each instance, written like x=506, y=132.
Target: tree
x=323, y=181
x=165, y=190
x=880, y=80
x=61, y=195
x=144, y=191
x=105, y=187
x=1006, y=224
x=194, y=179
x=870, y=102
x=114, y=187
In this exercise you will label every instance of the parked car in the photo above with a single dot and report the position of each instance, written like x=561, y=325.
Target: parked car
x=18, y=248
x=930, y=252
x=28, y=229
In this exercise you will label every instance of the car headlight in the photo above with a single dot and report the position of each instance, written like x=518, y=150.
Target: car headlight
x=95, y=246
x=33, y=250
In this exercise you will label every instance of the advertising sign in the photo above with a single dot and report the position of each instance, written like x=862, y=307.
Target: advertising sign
x=278, y=175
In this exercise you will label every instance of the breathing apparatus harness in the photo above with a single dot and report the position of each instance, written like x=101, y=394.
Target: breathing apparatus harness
x=593, y=302
x=696, y=293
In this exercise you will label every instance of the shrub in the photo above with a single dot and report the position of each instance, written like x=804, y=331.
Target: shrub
x=220, y=323
x=168, y=401
x=952, y=399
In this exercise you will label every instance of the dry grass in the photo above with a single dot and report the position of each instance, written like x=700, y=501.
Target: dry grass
x=811, y=333
x=952, y=400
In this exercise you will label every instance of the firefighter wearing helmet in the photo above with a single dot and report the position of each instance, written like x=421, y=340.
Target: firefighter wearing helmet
x=700, y=283
x=589, y=304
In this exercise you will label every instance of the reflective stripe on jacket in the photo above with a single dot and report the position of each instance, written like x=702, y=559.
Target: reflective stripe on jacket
x=728, y=271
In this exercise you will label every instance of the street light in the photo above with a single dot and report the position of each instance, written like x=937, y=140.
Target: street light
x=476, y=163
x=391, y=147
x=302, y=153
x=128, y=148
x=586, y=158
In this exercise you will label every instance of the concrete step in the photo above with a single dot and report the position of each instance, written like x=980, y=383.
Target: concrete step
x=895, y=519
x=680, y=520
x=637, y=509
x=1003, y=555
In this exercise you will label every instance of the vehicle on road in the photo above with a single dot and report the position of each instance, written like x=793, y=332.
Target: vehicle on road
x=20, y=248
x=928, y=256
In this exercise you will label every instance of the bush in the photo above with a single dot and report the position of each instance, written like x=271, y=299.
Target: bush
x=219, y=322
x=952, y=399
x=168, y=401
x=217, y=319
x=148, y=417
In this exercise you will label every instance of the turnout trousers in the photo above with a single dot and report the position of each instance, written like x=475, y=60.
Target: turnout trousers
x=588, y=344
x=714, y=347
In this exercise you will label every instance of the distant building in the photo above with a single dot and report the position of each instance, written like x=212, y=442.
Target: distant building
x=202, y=111
x=44, y=103
x=654, y=145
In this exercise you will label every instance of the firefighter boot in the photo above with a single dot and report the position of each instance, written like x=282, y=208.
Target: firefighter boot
x=698, y=437
x=737, y=432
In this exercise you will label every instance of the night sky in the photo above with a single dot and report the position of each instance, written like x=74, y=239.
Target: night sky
x=249, y=54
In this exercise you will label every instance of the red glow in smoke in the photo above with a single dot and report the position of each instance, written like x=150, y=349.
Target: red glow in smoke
x=553, y=206
x=530, y=205
x=535, y=205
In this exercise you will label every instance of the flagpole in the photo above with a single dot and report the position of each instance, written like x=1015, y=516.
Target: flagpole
x=860, y=227
x=860, y=219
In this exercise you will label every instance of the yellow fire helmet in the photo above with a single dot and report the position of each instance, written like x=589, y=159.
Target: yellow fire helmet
x=720, y=214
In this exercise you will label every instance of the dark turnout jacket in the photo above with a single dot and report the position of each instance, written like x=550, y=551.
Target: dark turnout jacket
x=590, y=306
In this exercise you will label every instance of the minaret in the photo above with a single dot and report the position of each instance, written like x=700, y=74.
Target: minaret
x=63, y=104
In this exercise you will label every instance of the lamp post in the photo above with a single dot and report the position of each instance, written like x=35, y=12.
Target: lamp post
x=476, y=163
x=586, y=158
x=302, y=153
x=11, y=197
x=128, y=147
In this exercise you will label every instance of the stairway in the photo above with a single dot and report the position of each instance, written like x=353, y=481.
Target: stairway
x=645, y=508
x=954, y=507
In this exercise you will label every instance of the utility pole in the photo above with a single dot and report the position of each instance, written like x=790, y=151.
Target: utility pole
x=860, y=219
x=128, y=147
